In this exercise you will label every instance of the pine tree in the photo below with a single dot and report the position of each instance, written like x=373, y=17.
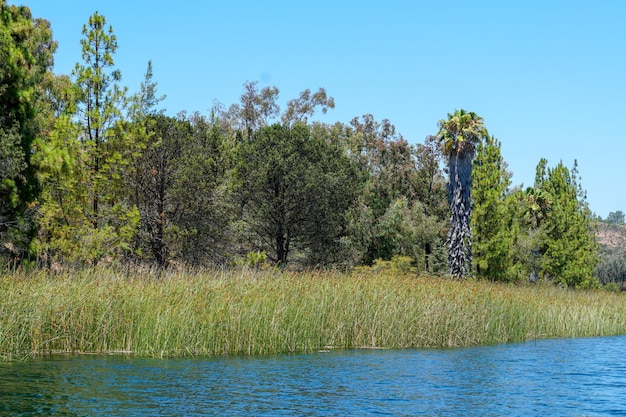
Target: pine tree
x=85, y=215
x=26, y=57
x=492, y=229
x=568, y=247
x=296, y=187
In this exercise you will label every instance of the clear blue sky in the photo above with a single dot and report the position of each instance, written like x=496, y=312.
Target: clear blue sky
x=548, y=77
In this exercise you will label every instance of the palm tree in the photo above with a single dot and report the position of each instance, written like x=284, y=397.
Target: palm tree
x=458, y=137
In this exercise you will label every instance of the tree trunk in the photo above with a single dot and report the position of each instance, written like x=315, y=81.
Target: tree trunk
x=460, y=235
x=282, y=249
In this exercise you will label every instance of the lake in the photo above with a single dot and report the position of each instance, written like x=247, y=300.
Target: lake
x=561, y=377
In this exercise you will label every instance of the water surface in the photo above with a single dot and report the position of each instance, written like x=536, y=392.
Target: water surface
x=562, y=377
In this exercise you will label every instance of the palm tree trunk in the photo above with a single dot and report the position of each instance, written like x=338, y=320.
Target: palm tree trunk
x=460, y=235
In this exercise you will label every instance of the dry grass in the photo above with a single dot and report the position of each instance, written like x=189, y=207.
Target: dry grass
x=247, y=312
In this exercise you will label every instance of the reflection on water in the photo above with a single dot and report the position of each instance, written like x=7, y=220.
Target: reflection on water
x=567, y=377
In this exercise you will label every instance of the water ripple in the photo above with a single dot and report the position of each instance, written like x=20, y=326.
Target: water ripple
x=563, y=377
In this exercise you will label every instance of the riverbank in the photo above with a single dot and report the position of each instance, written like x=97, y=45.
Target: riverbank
x=264, y=312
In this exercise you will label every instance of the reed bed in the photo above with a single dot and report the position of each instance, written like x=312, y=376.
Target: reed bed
x=263, y=312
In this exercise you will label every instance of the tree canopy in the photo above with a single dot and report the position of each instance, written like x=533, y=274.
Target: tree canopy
x=93, y=174
x=26, y=57
x=296, y=187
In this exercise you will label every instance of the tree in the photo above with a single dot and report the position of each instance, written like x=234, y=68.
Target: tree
x=431, y=185
x=525, y=212
x=153, y=182
x=389, y=170
x=458, y=136
x=296, y=187
x=491, y=222
x=431, y=191
x=202, y=209
x=403, y=199
x=408, y=231
x=100, y=101
x=612, y=267
x=300, y=109
x=26, y=58
x=146, y=177
x=181, y=187
x=256, y=109
x=615, y=217
x=242, y=123
x=569, y=248
x=85, y=210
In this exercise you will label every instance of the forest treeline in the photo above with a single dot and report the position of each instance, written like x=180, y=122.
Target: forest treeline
x=94, y=174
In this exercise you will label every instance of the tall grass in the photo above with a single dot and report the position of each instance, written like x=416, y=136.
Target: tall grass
x=244, y=312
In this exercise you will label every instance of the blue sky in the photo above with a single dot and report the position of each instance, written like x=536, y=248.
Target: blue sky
x=548, y=77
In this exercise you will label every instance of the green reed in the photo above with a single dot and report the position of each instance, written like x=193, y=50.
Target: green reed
x=263, y=312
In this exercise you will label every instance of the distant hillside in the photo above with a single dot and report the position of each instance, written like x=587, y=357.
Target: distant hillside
x=612, y=236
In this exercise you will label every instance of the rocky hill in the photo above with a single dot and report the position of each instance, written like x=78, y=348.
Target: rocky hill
x=612, y=236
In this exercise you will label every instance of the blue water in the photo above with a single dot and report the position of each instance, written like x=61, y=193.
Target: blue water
x=563, y=377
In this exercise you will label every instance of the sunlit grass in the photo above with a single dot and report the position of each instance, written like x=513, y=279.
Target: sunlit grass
x=253, y=312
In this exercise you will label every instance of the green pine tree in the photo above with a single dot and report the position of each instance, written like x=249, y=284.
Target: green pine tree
x=491, y=223
x=85, y=214
x=568, y=245
x=26, y=58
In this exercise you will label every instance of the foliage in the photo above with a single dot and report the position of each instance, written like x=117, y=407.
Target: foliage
x=523, y=213
x=296, y=187
x=67, y=232
x=99, y=104
x=568, y=247
x=399, y=212
x=405, y=230
x=152, y=181
x=397, y=265
x=612, y=267
x=89, y=174
x=491, y=222
x=615, y=217
x=26, y=57
x=256, y=260
x=385, y=157
x=85, y=216
x=258, y=108
x=202, y=202
x=430, y=184
x=300, y=109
